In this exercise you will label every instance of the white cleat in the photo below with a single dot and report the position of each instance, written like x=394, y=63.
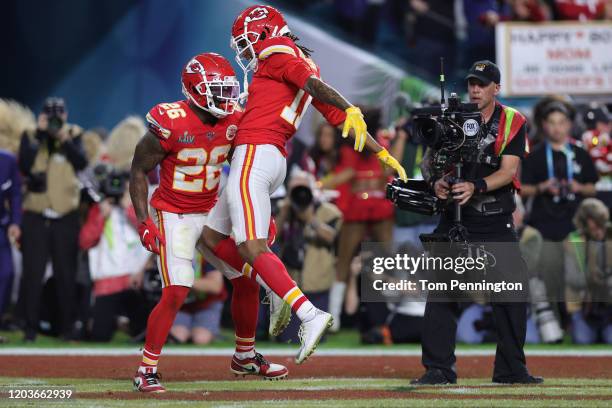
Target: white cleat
x=280, y=314
x=311, y=332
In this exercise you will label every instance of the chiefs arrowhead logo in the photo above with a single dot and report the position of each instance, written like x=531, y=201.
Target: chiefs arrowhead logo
x=194, y=67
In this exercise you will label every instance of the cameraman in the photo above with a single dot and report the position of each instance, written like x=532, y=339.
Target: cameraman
x=116, y=260
x=307, y=239
x=486, y=196
x=49, y=159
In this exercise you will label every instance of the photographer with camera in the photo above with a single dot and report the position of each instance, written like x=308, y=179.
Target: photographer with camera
x=116, y=258
x=307, y=238
x=556, y=176
x=588, y=275
x=484, y=193
x=49, y=159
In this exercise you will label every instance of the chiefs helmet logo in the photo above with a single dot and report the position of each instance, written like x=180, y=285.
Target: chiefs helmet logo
x=258, y=13
x=230, y=134
x=194, y=67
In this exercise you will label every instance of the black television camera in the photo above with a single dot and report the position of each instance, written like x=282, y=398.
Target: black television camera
x=108, y=182
x=453, y=134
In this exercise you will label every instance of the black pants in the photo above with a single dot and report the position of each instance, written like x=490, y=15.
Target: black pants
x=44, y=238
x=440, y=325
x=106, y=309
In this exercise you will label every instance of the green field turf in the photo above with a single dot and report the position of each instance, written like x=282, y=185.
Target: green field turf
x=477, y=393
x=345, y=339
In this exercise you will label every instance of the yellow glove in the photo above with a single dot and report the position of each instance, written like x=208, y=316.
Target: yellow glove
x=390, y=161
x=354, y=120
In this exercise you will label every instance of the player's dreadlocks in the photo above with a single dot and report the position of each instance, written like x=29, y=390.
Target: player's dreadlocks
x=295, y=38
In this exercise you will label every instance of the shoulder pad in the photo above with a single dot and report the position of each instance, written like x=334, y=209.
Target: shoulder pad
x=276, y=45
x=158, y=120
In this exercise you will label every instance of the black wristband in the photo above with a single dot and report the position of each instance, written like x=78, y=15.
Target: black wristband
x=480, y=186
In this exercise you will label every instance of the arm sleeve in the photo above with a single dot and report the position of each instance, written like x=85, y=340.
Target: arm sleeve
x=160, y=126
x=288, y=68
x=74, y=152
x=15, y=194
x=27, y=153
x=589, y=174
x=517, y=145
x=332, y=114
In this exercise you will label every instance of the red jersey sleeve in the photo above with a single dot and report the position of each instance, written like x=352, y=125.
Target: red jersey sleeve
x=288, y=68
x=160, y=124
x=332, y=114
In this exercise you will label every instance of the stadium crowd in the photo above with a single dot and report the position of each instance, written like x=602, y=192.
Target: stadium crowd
x=69, y=228
x=422, y=30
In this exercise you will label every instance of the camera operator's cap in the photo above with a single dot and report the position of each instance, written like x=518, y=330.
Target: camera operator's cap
x=486, y=71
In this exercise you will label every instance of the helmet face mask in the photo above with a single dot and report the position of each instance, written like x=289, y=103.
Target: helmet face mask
x=245, y=53
x=210, y=83
x=248, y=29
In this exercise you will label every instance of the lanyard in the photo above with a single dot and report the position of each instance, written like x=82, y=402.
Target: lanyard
x=569, y=155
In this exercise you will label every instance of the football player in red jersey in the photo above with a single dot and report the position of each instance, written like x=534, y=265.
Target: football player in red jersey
x=190, y=140
x=285, y=82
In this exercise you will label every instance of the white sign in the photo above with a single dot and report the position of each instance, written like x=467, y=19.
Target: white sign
x=564, y=57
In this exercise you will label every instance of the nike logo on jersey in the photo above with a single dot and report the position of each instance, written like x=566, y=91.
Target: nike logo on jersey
x=186, y=138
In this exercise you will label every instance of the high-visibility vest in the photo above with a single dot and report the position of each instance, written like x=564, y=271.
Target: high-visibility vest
x=510, y=123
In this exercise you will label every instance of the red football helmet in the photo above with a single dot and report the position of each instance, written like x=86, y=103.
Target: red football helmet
x=253, y=24
x=209, y=81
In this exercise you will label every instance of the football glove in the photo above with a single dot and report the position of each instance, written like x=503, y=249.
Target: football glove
x=354, y=120
x=390, y=161
x=150, y=236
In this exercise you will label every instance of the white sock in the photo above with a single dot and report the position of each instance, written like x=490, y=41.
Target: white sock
x=306, y=311
x=336, y=299
x=246, y=354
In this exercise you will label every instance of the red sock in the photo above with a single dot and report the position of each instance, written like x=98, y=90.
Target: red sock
x=245, y=307
x=159, y=324
x=274, y=273
x=227, y=251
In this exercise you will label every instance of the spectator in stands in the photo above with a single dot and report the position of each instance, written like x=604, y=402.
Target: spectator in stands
x=538, y=134
x=529, y=10
x=14, y=120
x=359, y=17
x=482, y=16
x=49, y=158
x=307, y=233
x=199, y=320
x=321, y=159
x=608, y=10
x=10, y=221
x=579, y=9
x=430, y=30
x=588, y=250
x=116, y=259
x=361, y=181
x=556, y=176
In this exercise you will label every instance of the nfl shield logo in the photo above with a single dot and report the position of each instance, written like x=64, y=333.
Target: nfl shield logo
x=210, y=135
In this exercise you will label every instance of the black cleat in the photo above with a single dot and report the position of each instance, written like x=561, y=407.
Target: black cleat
x=433, y=376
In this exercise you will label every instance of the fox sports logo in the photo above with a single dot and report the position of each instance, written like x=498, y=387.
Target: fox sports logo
x=470, y=127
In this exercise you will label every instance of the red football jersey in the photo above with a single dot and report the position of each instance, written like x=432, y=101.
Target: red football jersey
x=190, y=173
x=277, y=101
